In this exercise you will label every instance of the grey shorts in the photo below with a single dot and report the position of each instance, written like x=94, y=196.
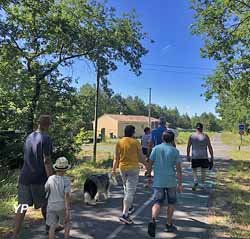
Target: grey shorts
x=55, y=218
x=161, y=194
x=33, y=194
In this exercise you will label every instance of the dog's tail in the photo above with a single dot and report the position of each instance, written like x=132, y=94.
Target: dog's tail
x=87, y=197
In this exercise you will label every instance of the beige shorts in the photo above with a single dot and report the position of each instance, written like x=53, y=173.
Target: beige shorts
x=55, y=218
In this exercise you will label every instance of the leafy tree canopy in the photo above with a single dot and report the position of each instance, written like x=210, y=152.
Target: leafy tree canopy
x=36, y=37
x=224, y=26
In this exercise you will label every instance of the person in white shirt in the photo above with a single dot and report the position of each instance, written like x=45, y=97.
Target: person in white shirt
x=58, y=188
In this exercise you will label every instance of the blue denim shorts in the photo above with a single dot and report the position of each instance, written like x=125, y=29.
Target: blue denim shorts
x=161, y=194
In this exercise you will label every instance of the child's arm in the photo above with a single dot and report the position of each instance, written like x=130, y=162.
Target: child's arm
x=67, y=201
x=67, y=190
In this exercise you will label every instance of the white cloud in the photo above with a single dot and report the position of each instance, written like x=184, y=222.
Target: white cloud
x=165, y=48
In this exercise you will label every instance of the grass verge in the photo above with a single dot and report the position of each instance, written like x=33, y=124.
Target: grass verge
x=8, y=199
x=232, y=204
x=182, y=138
x=233, y=139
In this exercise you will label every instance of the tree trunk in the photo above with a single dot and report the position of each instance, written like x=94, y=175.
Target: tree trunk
x=96, y=114
x=33, y=107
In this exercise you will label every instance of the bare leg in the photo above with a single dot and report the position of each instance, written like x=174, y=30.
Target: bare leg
x=195, y=175
x=52, y=232
x=66, y=230
x=155, y=210
x=44, y=212
x=18, y=223
x=125, y=207
x=203, y=175
x=170, y=214
x=125, y=202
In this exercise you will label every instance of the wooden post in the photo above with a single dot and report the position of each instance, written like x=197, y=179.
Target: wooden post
x=96, y=113
x=149, y=109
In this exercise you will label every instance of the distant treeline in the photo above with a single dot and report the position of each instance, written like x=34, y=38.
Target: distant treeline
x=73, y=112
x=114, y=104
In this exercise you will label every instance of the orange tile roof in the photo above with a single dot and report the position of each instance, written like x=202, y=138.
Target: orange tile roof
x=131, y=118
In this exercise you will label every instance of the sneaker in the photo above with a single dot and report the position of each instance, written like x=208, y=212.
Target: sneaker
x=152, y=228
x=131, y=210
x=126, y=219
x=171, y=228
x=195, y=186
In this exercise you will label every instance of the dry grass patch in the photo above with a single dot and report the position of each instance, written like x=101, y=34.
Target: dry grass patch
x=232, y=197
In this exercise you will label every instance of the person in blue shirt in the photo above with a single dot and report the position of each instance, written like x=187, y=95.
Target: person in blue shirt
x=156, y=134
x=167, y=169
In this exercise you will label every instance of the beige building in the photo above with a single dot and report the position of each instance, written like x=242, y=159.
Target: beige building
x=113, y=125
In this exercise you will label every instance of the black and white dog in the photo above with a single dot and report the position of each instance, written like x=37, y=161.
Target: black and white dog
x=97, y=184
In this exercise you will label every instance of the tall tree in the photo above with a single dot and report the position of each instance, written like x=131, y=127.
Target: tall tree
x=224, y=25
x=40, y=36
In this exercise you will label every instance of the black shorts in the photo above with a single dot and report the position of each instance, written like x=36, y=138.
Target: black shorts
x=200, y=163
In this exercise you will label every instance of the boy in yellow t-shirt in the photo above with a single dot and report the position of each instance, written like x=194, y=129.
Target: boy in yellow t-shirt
x=128, y=155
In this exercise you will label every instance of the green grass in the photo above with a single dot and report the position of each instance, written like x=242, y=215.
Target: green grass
x=182, y=138
x=233, y=196
x=8, y=199
x=233, y=139
x=109, y=142
x=81, y=170
x=8, y=192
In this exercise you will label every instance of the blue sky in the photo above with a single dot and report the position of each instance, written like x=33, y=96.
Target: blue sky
x=167, y=22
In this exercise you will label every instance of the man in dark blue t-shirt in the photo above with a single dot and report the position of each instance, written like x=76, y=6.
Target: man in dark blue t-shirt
x=156, y=134
x=36, y=169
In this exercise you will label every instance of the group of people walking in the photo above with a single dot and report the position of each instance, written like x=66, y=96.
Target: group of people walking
x=157, y=152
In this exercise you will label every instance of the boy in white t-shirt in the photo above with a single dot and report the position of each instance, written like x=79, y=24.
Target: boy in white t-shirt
x=58, y=188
